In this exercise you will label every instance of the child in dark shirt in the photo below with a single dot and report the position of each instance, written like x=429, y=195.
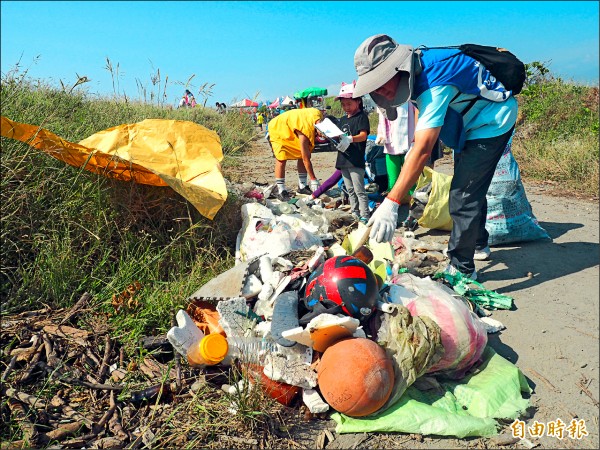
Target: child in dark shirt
x=351, y=150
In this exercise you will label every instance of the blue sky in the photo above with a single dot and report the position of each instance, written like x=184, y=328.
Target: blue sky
x=264, y=50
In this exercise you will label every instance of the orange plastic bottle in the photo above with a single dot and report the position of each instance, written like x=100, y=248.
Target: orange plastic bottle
x=208, y=351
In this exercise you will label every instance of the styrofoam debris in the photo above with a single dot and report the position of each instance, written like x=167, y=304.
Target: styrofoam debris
x=492, y=325
x=314, y=402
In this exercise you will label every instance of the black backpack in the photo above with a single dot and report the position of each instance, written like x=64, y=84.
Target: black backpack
x=501, y=63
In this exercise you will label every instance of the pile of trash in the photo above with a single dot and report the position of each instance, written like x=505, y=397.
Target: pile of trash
x=318, y=314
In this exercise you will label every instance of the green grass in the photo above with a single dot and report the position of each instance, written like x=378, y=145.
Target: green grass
x=556, y=138
x=65, y=231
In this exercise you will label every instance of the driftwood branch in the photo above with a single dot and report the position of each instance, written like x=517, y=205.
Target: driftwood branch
x=30, y=435
x=9, y=368
x=26, y=398
x=60, y=433
x=587, y=392
x=69, y=333
x=92, y=357
x=76, y=416
x=104, y=364
x=77, y=307
x=77, y=382
x=37, y=312
x=51, y=358
x=114, y=424
x=99, y=426
x=33, y=363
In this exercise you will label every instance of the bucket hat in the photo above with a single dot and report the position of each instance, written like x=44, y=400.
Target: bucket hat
x=346, y=91
x=376, y=61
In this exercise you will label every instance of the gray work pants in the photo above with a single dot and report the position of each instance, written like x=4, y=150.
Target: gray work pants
x=474, y=169
x=354, y=180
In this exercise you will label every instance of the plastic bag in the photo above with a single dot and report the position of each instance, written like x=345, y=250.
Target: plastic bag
x=180, y=154
x=436, y=213
x=476, y=292
x=509, y=214
x=463, y=335
x=262, y=233
x=414, y=345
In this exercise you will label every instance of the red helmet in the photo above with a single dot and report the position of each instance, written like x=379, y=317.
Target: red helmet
x=345, y=282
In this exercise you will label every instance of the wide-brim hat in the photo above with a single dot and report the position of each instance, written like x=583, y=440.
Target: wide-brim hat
x=377, y=60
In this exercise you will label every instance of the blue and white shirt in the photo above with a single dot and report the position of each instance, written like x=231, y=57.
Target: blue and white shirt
x=452, y=83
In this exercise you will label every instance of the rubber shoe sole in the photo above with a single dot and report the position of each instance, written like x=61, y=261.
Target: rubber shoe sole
x=305, y=190
x=482, y=254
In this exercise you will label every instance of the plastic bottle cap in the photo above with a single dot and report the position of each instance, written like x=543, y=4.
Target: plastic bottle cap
x=213, y=348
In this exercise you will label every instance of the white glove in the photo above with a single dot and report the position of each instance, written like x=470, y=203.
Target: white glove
x=314, y=184
x=384, y=221
x=344, y=143
x=380, y=140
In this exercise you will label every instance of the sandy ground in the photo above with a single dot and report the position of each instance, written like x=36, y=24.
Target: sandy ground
x=551, y=335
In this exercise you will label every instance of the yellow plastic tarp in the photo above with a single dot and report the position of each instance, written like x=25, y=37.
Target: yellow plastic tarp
x=436, y=214
x=176, y=153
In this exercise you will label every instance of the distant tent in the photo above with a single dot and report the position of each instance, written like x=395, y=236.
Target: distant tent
x=276, y=103
x=286, y=101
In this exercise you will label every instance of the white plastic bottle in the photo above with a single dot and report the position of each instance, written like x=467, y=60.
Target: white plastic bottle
x=252, y=350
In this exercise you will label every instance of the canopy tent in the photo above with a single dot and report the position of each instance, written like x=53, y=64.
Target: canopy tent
x=286, y=101
x=276, y=103
x=243, y=103
x=311, y=92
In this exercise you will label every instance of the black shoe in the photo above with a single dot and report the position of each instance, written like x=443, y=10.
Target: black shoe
x=305, y=190
x=411, y=224
x=284, y=196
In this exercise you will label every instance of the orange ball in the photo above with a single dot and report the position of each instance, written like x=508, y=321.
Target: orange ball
x=355, y=376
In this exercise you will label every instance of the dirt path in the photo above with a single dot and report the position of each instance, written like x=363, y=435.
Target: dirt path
x=552, y=335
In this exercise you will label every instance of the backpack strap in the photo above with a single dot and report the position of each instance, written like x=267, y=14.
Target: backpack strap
x=457, y=47
x=424, y=47
x=469, y=106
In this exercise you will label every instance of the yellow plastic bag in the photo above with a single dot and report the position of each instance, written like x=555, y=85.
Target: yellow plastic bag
x=436, y=214
x=176, y=153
